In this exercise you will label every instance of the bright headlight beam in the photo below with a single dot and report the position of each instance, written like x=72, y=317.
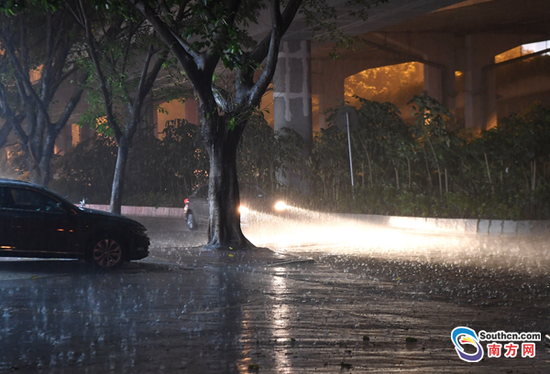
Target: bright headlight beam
x=280, y=206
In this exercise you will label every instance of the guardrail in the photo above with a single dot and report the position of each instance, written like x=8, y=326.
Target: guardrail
x=149, y=211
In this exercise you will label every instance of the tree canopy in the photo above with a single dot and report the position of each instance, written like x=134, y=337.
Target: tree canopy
x=230, y=72
x=229, y=69
x=124, y=61
x=38, y=48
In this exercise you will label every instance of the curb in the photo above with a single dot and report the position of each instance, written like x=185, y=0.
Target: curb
x=149, y=211
x=466, y=226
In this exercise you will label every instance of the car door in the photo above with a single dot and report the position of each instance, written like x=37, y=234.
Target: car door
x=39, y=224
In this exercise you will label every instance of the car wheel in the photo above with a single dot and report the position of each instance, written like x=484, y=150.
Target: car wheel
x=191, y=223
x=107, y=254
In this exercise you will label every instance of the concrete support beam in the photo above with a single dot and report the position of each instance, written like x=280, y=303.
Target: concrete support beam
x=292, y=88
x=442, y=54
x=437, y=52
x=439, y=77
x=480, y=96
x=477, y=55
x=329, y=76
x=292, y=97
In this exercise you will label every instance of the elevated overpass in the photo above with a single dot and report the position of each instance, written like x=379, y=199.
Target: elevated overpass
x=448, y=37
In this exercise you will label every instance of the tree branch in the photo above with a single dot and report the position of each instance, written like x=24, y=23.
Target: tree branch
x=262, y=49
x=47, y=66
x=10, y=117
x=189, y=62
x=25, y=87
x=212, y=58
x=71, y=105
x=277, y=32
x=62, y=78
x=151, y=77
x=4, y=133
x=164, y=28
x=102, y=80
x=146, y=81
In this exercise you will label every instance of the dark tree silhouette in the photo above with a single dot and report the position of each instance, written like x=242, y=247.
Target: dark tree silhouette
x=37, y=58
x=212, y=43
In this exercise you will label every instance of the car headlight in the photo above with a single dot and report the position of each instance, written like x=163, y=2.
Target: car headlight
x=280, y=206
x=139, y=230
x=243, y=209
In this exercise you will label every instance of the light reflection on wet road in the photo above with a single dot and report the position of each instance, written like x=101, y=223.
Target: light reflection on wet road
x=352, y=309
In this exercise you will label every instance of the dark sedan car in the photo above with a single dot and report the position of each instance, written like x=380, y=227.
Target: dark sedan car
x=253, y=197
x=35, y=222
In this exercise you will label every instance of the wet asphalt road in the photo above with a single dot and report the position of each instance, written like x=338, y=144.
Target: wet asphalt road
x=385, y=301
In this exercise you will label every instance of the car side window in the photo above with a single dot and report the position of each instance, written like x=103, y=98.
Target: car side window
x=32, y=200
x=5, y=198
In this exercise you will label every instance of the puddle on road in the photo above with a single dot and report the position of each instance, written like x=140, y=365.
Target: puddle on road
x=369, y=289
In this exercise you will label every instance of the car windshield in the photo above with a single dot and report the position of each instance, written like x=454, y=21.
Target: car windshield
x=61, y=199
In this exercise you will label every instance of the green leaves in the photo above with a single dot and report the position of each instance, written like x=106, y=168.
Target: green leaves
x=13, y=7
x=424, y=169
x=161, y=172
x=232, y=124
x=260, y=153
x=211, y=27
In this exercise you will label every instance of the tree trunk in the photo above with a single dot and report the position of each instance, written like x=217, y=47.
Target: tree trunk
x=409, y=169
x=489, y=173
x=32, y=150
x=45, y=161
x=224, y=227
x=34, y=170
x=533, y=175
x=396, y=173
x=362, y=175
x=440, y=183
x=118, y=178
x=369, y=161
x=430, y=184
x=4, y=133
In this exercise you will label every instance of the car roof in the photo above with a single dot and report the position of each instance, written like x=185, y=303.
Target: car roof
x=15, y=182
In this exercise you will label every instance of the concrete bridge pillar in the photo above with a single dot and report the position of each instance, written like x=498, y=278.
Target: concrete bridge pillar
x=477, y=99
x=444, y=54
x=292, y=88
x=439, y=68
x=292, y=97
